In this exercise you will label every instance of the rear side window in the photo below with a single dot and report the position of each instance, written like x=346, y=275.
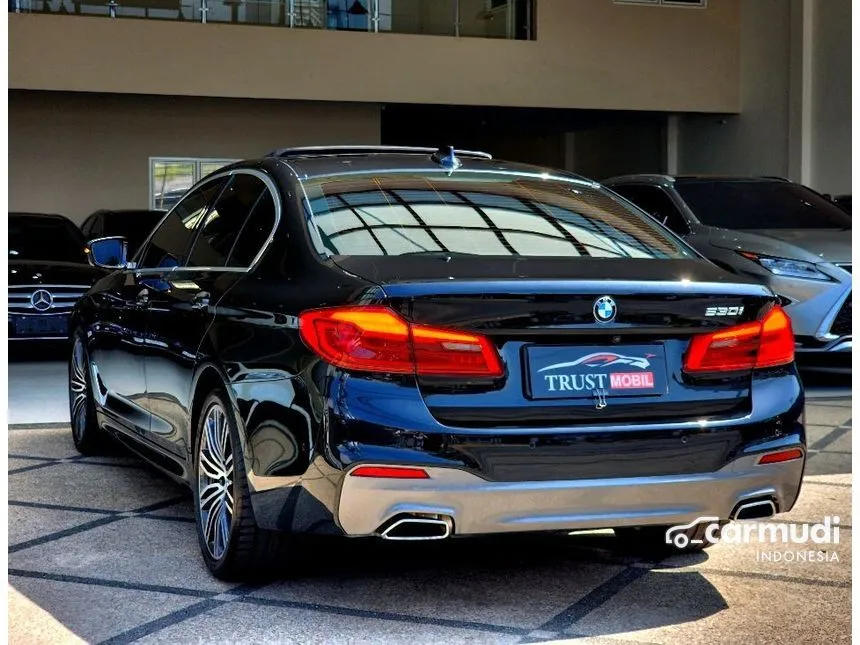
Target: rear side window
x=478, y=213
x=760, y=205
x=236, y=227
x=172, y=239
x=654, y=201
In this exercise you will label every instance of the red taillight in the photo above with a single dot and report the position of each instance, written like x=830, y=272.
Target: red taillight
x=783, y=455
x=376, y=339
x=754, y=345
x=390, y=472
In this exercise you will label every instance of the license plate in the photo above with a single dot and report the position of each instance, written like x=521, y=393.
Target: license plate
x=41, y=325
x=582, y=372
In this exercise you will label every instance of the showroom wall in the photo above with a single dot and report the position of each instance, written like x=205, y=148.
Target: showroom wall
x=830, y=170
x=72, y=153
x=588, y=54
x=756, y=140
x=795, y=83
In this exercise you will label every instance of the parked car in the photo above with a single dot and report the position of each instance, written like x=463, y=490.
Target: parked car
x=169, y=198
x=416, y=344
x=844, y=202
x=48, y=272
x=778, y=232
x=134, y=225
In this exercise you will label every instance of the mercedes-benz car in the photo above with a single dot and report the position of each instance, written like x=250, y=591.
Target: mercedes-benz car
x=780, y=233
x=48, y=272
x=419, y=344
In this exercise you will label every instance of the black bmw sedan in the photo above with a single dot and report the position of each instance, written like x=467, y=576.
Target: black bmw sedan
x=48, y=272
x=417, y=344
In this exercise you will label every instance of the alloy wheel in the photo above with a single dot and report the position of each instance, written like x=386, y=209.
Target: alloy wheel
x=78, y=391
x=215, y=481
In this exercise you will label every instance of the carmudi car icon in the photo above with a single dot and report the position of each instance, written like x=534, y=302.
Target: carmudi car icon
x=680, y=535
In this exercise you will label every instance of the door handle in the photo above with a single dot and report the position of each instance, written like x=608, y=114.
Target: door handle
x=143, y=297
x=200, y=300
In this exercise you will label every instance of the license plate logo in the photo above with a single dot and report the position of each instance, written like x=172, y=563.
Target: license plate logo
x=631, y=381
x=570, y=372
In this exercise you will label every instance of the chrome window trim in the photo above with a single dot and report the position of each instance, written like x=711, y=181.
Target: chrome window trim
x=210, y=178
x=84, y=287
x=170, y=270
x=17, y=338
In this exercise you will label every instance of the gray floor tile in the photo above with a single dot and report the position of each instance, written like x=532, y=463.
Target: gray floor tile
x=30, y=523
x=457, y=585
x=271, y=625
x=689, y=607
x=48, y=442
x=134, y=550
x=104, y=487
x=94, y=613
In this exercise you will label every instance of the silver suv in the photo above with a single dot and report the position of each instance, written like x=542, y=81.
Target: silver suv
x=781, y=233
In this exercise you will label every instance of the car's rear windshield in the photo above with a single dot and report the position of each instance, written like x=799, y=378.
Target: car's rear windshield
x=43, y=238
x=760, y=205
x=478, y=213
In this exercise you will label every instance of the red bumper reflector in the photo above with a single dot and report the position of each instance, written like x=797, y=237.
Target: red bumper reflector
x=390, y=472
x=783, y=455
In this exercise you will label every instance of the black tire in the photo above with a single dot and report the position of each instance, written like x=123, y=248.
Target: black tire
x=88, y=437
x=250, y=553
x=651, y=540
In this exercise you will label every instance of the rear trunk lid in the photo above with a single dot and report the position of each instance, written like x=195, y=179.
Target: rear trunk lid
x=564, y=367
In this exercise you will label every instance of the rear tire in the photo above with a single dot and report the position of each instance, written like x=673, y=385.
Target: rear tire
x=651, y=540
x=233, y=546
x=88, y=437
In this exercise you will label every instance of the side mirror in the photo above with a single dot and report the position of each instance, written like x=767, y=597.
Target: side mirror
x=108, y=252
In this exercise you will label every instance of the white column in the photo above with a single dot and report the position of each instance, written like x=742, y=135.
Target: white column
x=800, y=92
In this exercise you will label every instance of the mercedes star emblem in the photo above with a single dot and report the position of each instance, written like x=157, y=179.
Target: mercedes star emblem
x=42, y=300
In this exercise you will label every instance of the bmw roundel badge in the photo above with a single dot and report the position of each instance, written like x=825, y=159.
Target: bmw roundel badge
x=605, y=309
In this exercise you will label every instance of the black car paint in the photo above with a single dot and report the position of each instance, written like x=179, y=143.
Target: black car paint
x=303, y=421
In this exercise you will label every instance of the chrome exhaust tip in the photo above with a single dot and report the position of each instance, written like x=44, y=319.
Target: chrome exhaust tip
x=417, y=528
x=754, y=510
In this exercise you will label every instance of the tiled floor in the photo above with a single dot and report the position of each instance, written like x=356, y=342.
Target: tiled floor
x=103, y=550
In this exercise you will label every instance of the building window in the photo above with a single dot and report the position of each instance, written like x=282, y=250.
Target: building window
x=170, y=177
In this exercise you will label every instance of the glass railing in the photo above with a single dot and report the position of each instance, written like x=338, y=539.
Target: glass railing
x=511, y=19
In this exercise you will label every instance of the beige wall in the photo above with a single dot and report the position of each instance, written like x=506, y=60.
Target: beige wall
x=795, y=118
x=74, y=153
x=831, y=97
x=754, y=142
x=589, y=54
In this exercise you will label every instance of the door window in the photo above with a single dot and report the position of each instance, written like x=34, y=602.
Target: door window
x=654, y=201
x=171, y=240
x=236, y=227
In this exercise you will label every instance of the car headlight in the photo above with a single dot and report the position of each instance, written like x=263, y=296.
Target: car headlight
x=788, y=268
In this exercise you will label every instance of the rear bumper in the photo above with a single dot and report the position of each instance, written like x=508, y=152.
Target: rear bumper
x=478, y=506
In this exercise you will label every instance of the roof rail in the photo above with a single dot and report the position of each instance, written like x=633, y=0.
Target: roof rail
x=318, y=151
